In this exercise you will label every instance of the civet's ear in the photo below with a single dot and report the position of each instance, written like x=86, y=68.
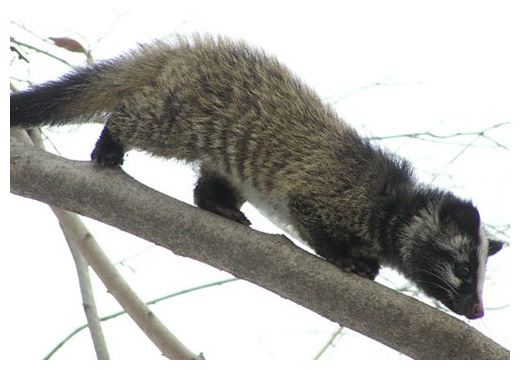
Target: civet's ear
x=494, y=246
x=460, y=214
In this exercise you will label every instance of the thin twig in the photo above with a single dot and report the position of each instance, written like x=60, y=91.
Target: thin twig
x=156, y=331
x=457, y=156
x=87, y=295
x=89, y=304
x=424, y=135
x=119, y=313
x=20, y=43
x=329, y=343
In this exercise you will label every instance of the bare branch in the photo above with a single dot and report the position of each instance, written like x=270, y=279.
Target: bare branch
x=270, y=261
x=329, y=343
x=73, y=227
x=153, y=301
x=429, y=135
x=38, y=50
x=158, y=333
x=83, y=247
x=87, y=294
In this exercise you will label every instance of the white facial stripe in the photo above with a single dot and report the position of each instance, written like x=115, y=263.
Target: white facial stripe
x=482, y=258
x=425, y=226
x=450, y=278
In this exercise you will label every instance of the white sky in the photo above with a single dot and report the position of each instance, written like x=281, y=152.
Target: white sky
x=388, y=67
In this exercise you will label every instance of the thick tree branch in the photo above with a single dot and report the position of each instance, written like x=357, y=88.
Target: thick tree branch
x=270, y=261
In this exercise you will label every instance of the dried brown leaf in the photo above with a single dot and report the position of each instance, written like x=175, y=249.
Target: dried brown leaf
x=68, y=44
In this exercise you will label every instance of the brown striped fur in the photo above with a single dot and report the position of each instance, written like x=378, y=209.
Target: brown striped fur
x=258, y=133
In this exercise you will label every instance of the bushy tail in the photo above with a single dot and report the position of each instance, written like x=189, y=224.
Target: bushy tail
x=77, y=96
x=89, y=92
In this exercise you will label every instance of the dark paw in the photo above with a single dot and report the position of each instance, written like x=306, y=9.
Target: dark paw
x=108, y=159
x=109, y=151
x=232, y=214
x=364, y=268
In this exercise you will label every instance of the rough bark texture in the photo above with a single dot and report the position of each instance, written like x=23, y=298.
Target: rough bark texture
x=270, y=261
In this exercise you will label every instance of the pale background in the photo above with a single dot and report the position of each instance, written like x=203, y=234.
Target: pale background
x=389, y=68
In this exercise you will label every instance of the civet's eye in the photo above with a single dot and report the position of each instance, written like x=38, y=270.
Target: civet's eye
x=462, y=271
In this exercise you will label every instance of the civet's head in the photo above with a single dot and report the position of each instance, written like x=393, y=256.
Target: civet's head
x=444, y=253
